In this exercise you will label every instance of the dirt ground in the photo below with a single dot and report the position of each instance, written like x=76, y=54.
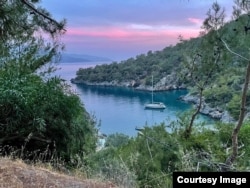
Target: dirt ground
x=16, y=174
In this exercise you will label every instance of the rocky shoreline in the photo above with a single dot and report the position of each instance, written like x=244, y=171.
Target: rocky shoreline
x=170, y=82
x=215, y=113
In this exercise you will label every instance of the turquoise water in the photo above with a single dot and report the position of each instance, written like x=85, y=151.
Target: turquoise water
x=121, y=110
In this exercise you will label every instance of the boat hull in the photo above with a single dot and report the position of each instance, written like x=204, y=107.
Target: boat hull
x=155, y=106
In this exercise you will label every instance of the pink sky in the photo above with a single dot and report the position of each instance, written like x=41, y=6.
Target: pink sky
x=120, y=29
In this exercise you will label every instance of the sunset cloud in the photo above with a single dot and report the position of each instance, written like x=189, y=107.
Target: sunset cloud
x=122, y=29
x=132, y=33
x=195, y=21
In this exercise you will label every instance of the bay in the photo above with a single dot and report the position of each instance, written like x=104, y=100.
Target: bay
x=121, y=110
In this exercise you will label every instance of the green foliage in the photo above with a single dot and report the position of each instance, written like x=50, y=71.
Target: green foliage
x=107, y=165
x=153, y=164
x=244, y=149
x=234, y=106
x=150, y=158
x=218, y=96
x=116, y=140
x=38, y=112
x=47, y=110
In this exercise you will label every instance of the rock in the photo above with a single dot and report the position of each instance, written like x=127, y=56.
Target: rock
x=226, y=118
x=190, y=98
x=215, y=113
x=169, y=82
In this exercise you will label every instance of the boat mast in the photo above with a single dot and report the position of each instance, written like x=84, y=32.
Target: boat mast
x=152, y=89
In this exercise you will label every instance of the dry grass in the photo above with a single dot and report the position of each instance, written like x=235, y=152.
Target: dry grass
x=17, y=174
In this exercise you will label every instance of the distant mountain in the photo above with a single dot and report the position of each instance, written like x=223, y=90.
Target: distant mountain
x=66, y=57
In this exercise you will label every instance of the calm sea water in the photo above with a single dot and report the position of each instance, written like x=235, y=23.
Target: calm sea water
x=121, y=110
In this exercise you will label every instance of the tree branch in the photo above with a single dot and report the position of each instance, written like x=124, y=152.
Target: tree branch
x=30, y=6
x=227, y=47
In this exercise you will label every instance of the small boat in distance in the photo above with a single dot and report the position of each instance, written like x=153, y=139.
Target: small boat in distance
x=154, y=105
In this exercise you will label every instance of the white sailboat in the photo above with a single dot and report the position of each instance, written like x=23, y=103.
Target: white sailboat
x=153, y=104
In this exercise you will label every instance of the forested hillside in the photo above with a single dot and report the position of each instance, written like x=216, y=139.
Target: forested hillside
x=139, y=69
x=169, y=68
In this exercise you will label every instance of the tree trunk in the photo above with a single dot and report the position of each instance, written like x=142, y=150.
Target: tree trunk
x=230, y=160
x=189, y=128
